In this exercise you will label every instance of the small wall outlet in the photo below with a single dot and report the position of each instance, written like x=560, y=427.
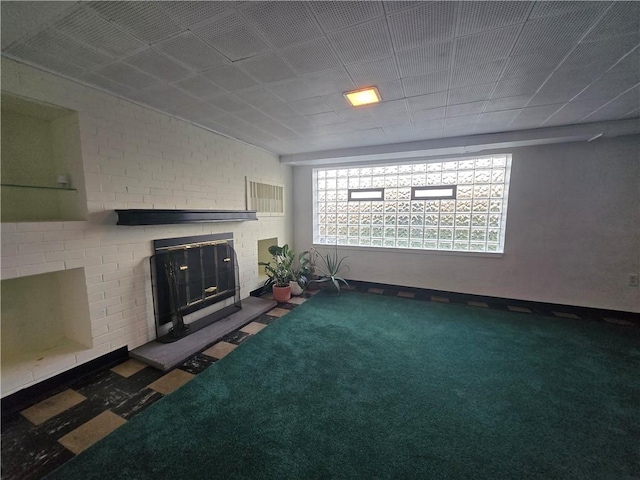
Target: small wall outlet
x=633, y=280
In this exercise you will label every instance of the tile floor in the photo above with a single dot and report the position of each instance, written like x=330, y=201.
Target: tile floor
x=48, y=434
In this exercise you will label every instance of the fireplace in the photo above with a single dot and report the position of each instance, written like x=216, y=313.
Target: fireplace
x=195, y=283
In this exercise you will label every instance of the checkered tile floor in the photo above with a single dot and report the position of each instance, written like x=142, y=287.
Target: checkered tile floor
x=46, y=435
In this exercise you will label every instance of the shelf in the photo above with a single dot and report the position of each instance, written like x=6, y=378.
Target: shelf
x=15, y=185
x=170, y=217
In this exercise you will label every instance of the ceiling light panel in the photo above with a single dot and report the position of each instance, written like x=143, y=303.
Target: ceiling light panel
x=88, y=27
x=337, y=15
x=143, y=19
x=193, y=52
x=364, y=96
x=427, y=59
x=282, y=23
x=474, y=17
x=364, y=42
x=424, y=25
x=309, y=57
x=158, y=65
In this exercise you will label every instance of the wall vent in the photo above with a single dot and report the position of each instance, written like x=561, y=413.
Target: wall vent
x=265, y=198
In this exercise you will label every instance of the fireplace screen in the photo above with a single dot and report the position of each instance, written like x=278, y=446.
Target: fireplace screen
x=190, y=275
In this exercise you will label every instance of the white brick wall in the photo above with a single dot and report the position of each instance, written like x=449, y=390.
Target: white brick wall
x=133, y=157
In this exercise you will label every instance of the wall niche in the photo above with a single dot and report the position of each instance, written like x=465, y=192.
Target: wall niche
x=42, y=174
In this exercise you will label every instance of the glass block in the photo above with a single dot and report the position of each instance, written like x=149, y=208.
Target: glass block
x=416, y=232
x=391, y=181
x=404, y=180
x=377, y=171
x=430, y=245
x=464, y=191
x=377, y=219
x=493, y=235
x=322, y=196
x=465, y=177
x=480, y=206
x=365, y=219
x=342, y=218
x=332, y=207
x=365, y=241
x=460, y=246
x=378, y=182
x=376, y=242
x=404, y=169
x=497, y=191
x=353, y=172
x=417, y=206
x=365, y=207
x=449, y=178
x=447, y=205
x=484, y=162
x=353, y=207
x=445, y=245
x=463, y=205
x=377, y=207
x=419, y=167
x=390, y=207
x=331, y=196
x=330, y=173
x=322, y=230
x=322, y=207
x=446, y=234
x=500, y=161
x=402, y=243
x=482, y=176
x=343, y=195
x=331, y=218
x=389, y=242
x=462, y=234
x=478, y=220
x=404, y=194
x=477, y=247
x=481, y=191
x=494, y=221
x=390, y=193
x=434, y=179
x=322, y=218
x=417, y=219
x=331, y=230
x=376, y=232
x=354, y=182
x=449, y=165
x=419, y=180
x=404, y=206
x=354, y=231
x=495, y=206
x=321, y=173
x=446, y=220
x=478, y=234
x=342, y=172
x=431, y=219
x=391, y=169
x=342, y=183
x=331, y=184
x=366, y=182
x=390, y=232
x=434, y=167
x=365, y=231
x=322, y=240
x=322, y=184
x=366, y=171
x=403, y=232
x=492, y=248
x=390, y=219
x=403, y=219
x=342, y=230
x=463, y=220
x=431, y=234
x=353, y=219
x=342, y=207
x=497, y=175
x=432, y=206
x=339, y=240
x=415, y=243
x=466, y=164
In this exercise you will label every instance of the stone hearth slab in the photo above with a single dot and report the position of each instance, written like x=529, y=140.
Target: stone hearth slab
x=167, y=355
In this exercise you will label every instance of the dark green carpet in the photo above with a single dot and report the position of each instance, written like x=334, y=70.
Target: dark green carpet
x=363, y=386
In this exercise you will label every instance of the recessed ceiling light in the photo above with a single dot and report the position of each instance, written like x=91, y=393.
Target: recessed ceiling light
x=364, y=96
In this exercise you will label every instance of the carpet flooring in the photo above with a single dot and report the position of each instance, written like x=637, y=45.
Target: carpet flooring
x=368, y=386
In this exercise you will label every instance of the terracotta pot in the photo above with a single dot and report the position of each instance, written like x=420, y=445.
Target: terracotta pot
x=282, y=294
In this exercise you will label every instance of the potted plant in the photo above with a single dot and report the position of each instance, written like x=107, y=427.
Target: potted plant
x=280, y=273
x=330, y=269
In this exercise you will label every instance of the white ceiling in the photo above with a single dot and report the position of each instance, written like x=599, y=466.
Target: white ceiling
x=273, y=73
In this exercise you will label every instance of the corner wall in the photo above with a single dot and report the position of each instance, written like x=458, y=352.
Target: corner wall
x=572, y=237
x=132, y=157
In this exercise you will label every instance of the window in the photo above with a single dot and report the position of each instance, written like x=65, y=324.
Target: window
x=450, y=205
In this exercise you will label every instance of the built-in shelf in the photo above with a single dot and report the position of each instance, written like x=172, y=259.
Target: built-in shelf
x=15, y=185
x=166, y=217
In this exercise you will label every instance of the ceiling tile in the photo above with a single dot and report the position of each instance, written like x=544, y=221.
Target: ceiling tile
x=546, y=8
x=477, y=73
x=267, y=68
x=476, y=16
x=507, y=103
x=258, y=97
x=617, y=108
x=86, y=26
x=282, y=23
x=107, y=84
x=159, y=65
x=518, y=86
x=603, y=53
x=330, y=81
x=230, y=77
x=427, y=59
x=611, y=85
x=536, y=63
x=229, y=103
x=127, y=75
x=279, y=111
x=145, y=20
x=297, y=123
x=170, y=94
x=199, y=87
x=52, y=62
x=192, y=13
x=574, y=111
x=323, y=118
x=460, y=121
x=465, y=109
x=424, y=102
x=151, y=100
x=232, y=36
x=622, y=18
x=57, y=44
x=428, y=115
x=310, y=106
x=193, y=52
x=470, y=94
x=336, y=15
x=388, y=108
x=504, y=117
x=309, y=57
x=430, y=23
x=391, y=90
x=363, y=42
x=291, y=90
x=374, y=72
x=484, y=47
x=458, y=130
x=423, y=84
x=534, y=116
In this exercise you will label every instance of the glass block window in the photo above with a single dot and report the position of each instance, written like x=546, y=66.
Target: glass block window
x=450, y=205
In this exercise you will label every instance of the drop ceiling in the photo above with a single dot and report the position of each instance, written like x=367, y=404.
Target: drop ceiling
x=273, y=74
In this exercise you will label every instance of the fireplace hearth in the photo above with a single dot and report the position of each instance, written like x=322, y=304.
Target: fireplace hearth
x=195, y=283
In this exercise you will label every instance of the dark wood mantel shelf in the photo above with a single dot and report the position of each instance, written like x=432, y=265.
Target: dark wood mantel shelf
x=166, y=217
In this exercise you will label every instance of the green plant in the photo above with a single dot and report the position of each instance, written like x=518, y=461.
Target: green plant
x=281, y=272
x=331, y=269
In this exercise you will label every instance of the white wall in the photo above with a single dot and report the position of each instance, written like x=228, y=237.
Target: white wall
x=132, y=157
x=573, y=232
